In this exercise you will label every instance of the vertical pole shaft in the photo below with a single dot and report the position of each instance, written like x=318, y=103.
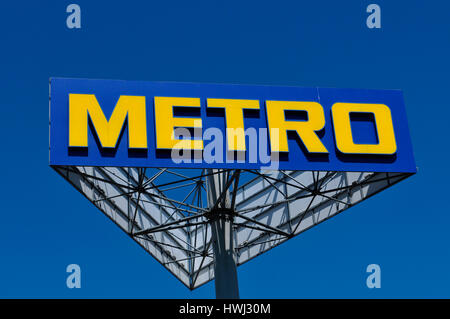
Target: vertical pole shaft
x=225, y=272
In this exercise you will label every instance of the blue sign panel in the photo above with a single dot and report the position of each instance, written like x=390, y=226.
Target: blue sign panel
x=190, y=125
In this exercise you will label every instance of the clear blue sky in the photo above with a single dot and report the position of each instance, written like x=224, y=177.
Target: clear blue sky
x=46, y=224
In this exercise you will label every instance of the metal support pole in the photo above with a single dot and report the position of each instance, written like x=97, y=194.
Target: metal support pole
x=225, y=270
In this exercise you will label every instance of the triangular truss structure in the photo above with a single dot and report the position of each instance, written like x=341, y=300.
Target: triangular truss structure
x=170, y=212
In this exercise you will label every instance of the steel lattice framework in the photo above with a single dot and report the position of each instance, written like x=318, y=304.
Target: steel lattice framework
x=168, y=213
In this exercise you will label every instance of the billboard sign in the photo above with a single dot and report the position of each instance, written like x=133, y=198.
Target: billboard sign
x=188, y=125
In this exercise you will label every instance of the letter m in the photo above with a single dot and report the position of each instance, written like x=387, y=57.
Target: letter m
x=131, y=108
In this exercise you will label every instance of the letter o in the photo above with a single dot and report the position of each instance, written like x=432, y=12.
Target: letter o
x=343, y=131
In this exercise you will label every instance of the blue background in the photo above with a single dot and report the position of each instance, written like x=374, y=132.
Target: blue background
x=108, y=92
x=46, y=224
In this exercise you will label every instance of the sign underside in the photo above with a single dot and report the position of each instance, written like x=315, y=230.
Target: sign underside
x=269, y=207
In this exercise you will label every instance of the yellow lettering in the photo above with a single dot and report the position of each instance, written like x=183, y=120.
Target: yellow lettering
x=305, y=129
x=343, y=131
x=108, y=131
x=234, y=117
x=166, y=123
